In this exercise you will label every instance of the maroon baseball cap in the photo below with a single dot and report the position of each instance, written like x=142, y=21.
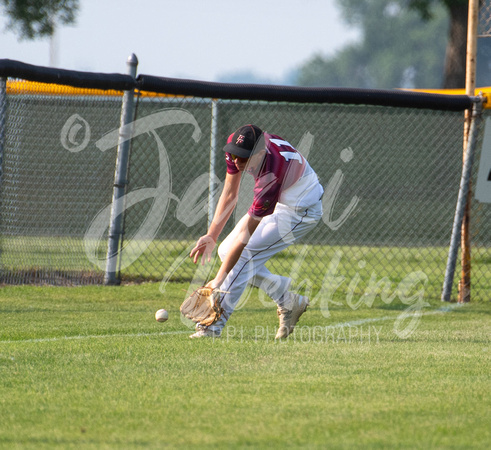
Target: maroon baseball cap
x=243, y=142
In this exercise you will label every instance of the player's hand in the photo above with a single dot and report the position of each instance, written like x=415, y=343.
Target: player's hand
x=204, y=248
x=212, y=284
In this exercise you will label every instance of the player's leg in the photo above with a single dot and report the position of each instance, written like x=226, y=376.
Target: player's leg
x=224, y=247
x=275, y=233
x=275, y=286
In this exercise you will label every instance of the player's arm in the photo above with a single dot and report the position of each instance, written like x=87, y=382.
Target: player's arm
x=226, y=204
x=247, y=228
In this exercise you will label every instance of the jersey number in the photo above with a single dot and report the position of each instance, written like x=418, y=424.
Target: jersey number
x=287, y=155
x=291, y=155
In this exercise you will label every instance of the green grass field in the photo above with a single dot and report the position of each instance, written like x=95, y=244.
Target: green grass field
x=89, y=367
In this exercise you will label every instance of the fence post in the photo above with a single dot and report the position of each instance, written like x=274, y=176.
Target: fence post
x=3, y=121
x=462, y=200
x=120, y=178
x=470, y=85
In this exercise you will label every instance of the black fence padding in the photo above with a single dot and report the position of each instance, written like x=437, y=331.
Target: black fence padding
x=205, y=89
x=396, y=98
x=88, y=80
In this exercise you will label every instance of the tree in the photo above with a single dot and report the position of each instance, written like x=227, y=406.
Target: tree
x=38, y=18
x=455, y=58
x=397, y=49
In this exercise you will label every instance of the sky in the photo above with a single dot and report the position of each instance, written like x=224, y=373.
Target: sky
x=203, y=40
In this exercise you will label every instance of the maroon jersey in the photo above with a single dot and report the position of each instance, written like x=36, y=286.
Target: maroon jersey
x=285, y=176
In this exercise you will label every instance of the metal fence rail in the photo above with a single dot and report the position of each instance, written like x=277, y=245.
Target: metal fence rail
x=391, y=176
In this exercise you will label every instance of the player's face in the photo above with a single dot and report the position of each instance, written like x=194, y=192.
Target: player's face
x=251, y=164
x=240, y=163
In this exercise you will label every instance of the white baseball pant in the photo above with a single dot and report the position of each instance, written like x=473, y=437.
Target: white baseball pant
x=274, y=233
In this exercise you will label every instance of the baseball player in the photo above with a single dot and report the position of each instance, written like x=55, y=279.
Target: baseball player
x=286, y=206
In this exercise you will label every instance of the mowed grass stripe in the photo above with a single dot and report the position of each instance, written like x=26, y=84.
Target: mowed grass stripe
x=353, y=323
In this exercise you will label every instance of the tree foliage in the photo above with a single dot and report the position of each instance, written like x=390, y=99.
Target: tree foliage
x=38, y=18
x=455, y=58
x=397, y=49
x=425, y=7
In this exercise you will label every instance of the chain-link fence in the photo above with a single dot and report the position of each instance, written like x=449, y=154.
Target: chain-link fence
x=51, y=191
x=484, y=15
x=391, y=177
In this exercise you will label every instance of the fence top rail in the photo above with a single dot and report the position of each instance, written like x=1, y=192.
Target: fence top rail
x=233, y=91
x=295, y=94
x=88, y=80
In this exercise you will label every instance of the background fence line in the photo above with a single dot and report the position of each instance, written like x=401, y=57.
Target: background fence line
x=390, y=163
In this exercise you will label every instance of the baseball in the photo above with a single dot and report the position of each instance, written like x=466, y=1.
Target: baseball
x=161, y=315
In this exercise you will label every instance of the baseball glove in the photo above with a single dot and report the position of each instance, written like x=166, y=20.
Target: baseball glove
x=203, y=306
